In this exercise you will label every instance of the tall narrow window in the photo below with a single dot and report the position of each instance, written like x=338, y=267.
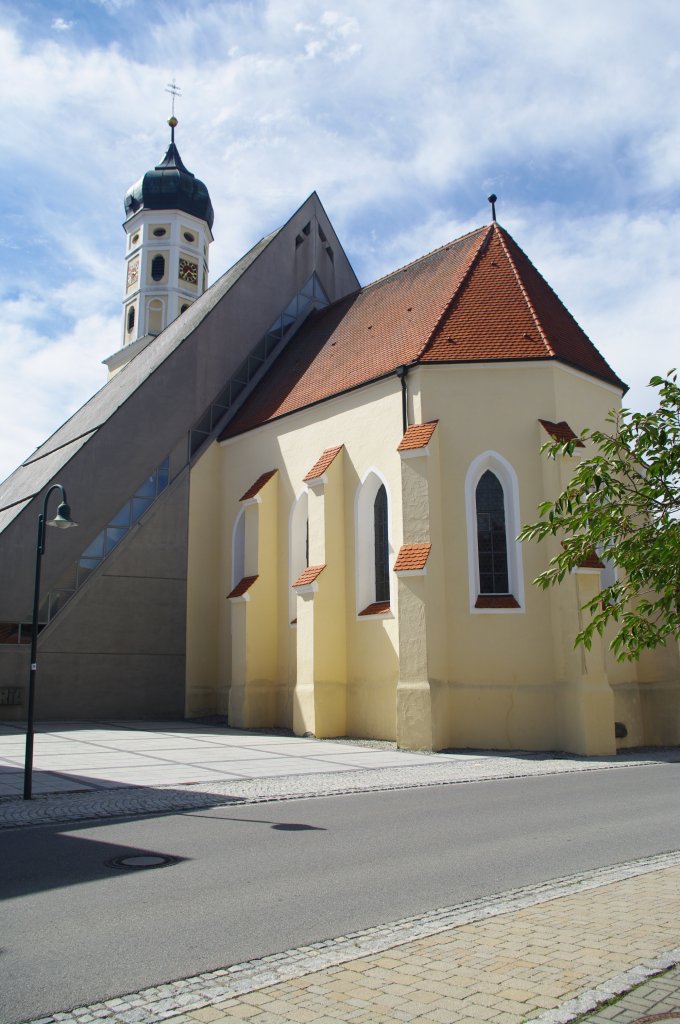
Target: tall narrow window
x=495, y=574
x=492, y=544
x=372, y=531
x=381, y=546
x=131, y=318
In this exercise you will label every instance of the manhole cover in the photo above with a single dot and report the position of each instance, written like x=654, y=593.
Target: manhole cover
x=136, y=861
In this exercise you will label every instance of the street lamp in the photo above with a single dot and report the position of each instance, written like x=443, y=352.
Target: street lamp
x=63, y=521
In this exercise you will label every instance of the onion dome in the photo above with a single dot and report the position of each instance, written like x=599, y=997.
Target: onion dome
x=170, y=186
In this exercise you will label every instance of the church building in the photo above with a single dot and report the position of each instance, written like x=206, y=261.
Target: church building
x=298, y=501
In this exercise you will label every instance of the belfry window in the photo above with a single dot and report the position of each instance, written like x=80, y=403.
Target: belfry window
x=158, y=267
x=381, y=547
x=492, y=546
x=131, y=318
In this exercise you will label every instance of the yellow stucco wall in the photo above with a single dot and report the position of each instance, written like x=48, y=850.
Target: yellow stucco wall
x=355, y=659
x=468, y=677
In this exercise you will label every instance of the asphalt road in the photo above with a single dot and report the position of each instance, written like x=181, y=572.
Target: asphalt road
x=265, y=878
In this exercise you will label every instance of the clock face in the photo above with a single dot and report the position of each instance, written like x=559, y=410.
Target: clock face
x=188, y=271
x=133, y=272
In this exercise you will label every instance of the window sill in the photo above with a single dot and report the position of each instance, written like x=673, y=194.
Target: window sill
x=381, y=608
x=496, y=601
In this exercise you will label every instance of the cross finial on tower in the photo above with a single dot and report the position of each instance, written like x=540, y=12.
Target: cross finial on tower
x=174, y=91
x=492, y=200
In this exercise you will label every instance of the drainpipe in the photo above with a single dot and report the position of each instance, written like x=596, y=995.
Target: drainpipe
x=402, y=372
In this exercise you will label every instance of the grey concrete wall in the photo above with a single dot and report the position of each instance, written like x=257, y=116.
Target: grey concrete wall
x=117, y=648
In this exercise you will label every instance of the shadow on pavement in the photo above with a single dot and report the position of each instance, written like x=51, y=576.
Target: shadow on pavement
x=61, y=855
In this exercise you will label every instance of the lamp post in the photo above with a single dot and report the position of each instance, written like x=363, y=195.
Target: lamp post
x=63, y=521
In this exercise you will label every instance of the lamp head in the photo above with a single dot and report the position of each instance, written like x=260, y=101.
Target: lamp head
x=63, y=517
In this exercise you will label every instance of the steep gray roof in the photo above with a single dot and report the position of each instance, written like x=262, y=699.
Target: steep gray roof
x=47, y=460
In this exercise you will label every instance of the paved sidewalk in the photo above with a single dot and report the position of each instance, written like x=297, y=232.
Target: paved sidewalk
x=86, y=770
x=561, y=955
x=91, y=756
x=546, y=954
x=655, y=1000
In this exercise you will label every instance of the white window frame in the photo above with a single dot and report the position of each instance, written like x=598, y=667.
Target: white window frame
x=364, y=549
x=238, y=548
x=507, y=478
x=297, y=544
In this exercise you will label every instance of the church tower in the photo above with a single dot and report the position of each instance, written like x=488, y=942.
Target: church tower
x=168, y=228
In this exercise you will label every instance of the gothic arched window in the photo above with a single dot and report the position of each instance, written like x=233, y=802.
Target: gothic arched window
x=381, y=548
x=492, y=544
x=372, y=518
x=495, y=574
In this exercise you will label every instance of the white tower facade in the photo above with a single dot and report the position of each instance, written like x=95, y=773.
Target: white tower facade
x=168, y=230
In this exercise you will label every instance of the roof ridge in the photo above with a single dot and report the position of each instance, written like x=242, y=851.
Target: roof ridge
x=412, y=263
x=461, y=285
x=525, y=294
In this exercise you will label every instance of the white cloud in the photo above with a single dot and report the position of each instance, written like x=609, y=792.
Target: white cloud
x=617, y=272
x=45, y=381
x=403, y=117
x=61, y=25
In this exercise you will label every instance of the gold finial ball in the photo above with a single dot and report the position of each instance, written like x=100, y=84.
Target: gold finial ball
x=172, y=121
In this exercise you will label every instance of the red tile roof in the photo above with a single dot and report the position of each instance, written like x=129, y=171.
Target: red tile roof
x=258, y=485
x=361, y=337
x=506, y=310
x=561, y=432
x=242, y=586
x=417, y=435
x=322, y=463
x=309, y=575
x=412, y=557
x=591, y=562
x=478, y=299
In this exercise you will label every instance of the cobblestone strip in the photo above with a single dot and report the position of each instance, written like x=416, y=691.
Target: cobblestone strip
x=158, y=1003
x=113, y=803
x=616, y=986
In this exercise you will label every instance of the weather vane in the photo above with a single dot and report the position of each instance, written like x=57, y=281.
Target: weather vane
x=174, y=91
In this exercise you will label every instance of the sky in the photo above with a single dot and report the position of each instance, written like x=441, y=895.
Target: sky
x=403, y=117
